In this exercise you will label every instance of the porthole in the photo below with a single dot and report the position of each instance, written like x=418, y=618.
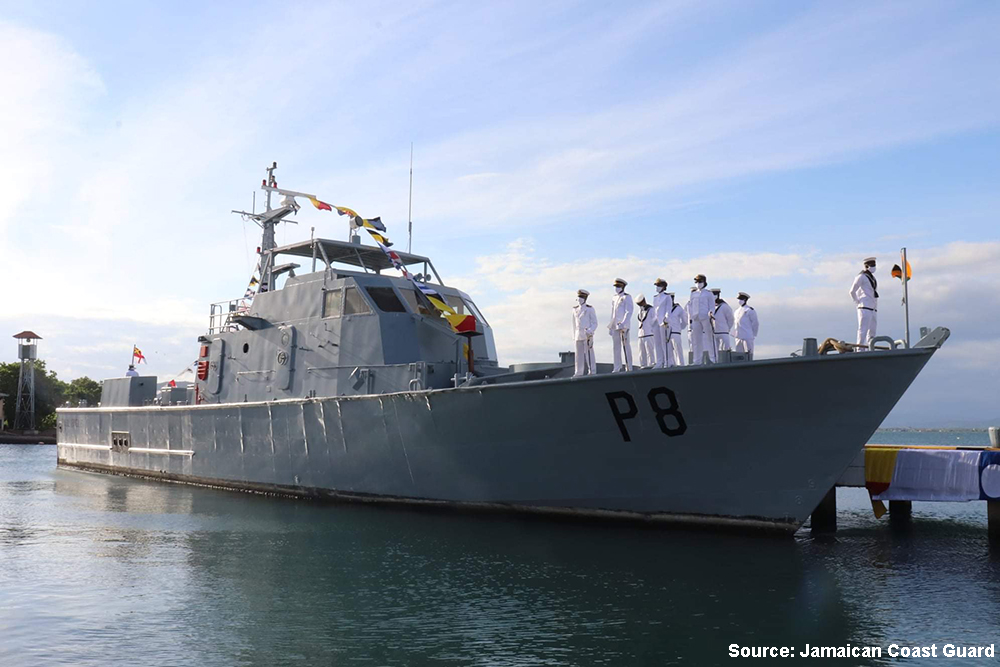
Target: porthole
x=246, y=347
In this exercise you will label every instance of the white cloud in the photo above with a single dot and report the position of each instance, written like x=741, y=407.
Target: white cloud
x=825, y=88
x=47, y=90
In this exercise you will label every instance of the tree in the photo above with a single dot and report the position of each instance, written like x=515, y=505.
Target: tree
x=84, y=389
x=50, y=392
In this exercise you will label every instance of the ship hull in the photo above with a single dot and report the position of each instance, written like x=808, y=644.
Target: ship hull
x=751, y=445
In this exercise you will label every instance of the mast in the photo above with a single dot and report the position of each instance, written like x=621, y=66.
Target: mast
x=267, y=238
x=268, y=220
x=409, y=211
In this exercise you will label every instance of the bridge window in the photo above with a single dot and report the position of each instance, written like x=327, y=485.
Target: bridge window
x=354, y=303
x=418, y=305
x=331, y=303
x=475, y=311
x=457, y=304
x=386, y=300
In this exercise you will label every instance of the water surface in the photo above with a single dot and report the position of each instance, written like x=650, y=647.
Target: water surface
x=98, y=570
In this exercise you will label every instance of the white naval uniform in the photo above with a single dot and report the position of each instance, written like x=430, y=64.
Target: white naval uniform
x=723, y=325
x=621, y=317
x=745, y=327
x=687, y=321
x=677, y=319
x=864, y=292
x=661, y=333
x=647, y=336
x=701, y=324
x=584, y=326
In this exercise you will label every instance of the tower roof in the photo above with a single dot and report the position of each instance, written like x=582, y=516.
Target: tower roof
x=27, y=334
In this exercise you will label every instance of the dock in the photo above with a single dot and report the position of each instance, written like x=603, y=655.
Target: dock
x=901, y=474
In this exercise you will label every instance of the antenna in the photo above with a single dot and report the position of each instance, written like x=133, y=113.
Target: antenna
x=409, y=212
x=906, y=296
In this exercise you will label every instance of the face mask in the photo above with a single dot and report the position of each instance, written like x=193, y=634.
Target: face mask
x=870, y=269
x=619, y=290
x=581, y=300
x=743, y=302
x=700, y=285
x=659, y=290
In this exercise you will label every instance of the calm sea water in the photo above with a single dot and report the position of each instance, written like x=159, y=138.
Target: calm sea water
x=101, y=570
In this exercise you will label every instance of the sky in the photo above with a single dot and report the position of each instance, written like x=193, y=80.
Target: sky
x=768, y=145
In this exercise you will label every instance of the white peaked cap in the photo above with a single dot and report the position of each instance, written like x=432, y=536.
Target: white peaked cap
x=582, y=292
x=620, y=281
x=867, y=259
x=640, y=297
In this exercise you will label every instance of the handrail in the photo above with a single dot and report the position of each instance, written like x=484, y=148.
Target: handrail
x=220, y=317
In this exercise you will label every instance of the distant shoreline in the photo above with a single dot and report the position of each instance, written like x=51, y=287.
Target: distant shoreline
x=922, y=428
x=9, y=438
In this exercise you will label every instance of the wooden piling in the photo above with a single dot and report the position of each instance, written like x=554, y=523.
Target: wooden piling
x=824, y=517
x=900, y=510
x=993, y=519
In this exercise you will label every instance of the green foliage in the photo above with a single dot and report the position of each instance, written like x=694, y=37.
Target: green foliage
x=50, y=392
x=83, y=389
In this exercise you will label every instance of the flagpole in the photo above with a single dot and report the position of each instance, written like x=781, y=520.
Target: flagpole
x=906, y=297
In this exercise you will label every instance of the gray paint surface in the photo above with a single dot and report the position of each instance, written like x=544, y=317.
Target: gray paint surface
x=764, y=441
x=319, y=393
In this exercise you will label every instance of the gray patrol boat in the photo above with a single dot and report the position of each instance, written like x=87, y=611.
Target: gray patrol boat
x=341, y=383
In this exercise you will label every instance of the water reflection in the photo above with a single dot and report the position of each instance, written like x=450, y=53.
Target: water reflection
x=282, y=578
x=118, y=568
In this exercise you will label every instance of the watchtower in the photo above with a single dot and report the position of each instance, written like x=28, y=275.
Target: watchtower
x=27, y=352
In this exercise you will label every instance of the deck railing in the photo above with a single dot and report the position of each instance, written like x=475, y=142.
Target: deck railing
x=220, y=318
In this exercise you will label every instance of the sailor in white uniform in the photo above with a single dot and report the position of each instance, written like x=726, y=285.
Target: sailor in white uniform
x=131, y=372
x=722, y=321
x=687, y=319
x=678, y=322
x=864, y=293
x=584, y=326
x=745, y=325
x=618, y=327
x=661, y=335
x=700, y=307
x=647, y=336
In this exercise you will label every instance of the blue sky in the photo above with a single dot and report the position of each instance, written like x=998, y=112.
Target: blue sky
x=770, y=145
